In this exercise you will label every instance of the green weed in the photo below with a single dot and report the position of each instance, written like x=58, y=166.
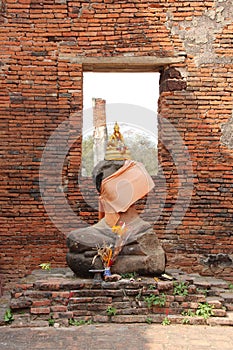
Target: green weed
x=129, y=275
x=149, y=320
x=51, y=321
x=111, y=311
x=204, y=310
x=73, y=322
x=166, y=322
x=8, y=317
x=180, y=289
x=188, y=313
x=153, y=300
x=151, y=287
x=202, y=291
x=185, y=321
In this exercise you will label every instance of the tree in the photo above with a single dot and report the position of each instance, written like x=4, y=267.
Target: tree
x=143, y=150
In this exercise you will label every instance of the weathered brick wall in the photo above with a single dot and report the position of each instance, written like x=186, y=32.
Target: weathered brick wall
x=41, y=86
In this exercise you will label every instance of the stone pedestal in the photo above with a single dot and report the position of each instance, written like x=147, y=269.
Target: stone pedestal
x=142, y=252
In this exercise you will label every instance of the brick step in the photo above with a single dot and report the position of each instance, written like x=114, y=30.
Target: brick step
x=228, y=297
x=229, y=307
x=59, y=299
x=221, y=321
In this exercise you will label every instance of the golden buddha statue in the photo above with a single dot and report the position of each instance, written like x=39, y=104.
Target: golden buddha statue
x=116, y=148
x=116, y=136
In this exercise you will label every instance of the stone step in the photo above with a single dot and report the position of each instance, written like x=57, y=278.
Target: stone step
x=210, y=282
x=229, y=307
x=217, y=302
x=221, y=321
x=57, y=298
x=228, y=297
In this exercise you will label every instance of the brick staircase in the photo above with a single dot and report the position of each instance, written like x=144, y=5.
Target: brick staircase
x=58, y=298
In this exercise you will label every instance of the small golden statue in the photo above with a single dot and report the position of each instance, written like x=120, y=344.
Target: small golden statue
x=116, y=148
x=116, y=136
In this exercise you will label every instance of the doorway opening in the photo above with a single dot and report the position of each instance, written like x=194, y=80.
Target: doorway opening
x=130, y=99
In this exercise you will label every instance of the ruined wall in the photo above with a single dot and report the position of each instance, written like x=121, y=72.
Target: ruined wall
x=43, y=45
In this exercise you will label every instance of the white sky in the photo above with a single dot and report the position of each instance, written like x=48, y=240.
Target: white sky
x=139, y=90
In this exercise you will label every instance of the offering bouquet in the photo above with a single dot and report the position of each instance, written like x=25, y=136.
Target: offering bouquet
x=109, y=253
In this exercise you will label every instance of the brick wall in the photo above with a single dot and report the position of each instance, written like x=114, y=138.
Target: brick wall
x=41, y=87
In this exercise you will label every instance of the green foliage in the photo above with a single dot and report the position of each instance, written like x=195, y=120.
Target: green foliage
x=180, y=289
x=51, y=321
x=204, y=310
x=230, y=286
x=45, y=266
x=143, y=150
x=151, y=287
x=8, y=317
x=153, y=300
x=73, y=322
x=111, y=311
x=202, y=291
x=188, y=313
x=129, y=275
x=166, y=322
x=149, y=320
x=185, y=321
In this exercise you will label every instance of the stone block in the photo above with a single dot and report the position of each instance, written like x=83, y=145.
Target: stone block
x=180, y=298
x=227, y=296
x=134, y=311
x=105, y=300
x=20, y=303
x=217, y=304
x=39, y=303
x=219, y=312
x=122, y=305
x=63, y=315
x=131, y=292
x=58, y=308
x=97, y=307
x=100, y=319
x=74, y=301
x=40, y=310
x=128, y=319
x=219, y=321
x=229, y=307
x=164, y=285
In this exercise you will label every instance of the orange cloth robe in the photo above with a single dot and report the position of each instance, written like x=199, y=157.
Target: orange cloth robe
x=122, y=189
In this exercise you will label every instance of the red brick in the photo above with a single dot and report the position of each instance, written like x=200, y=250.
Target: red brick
x=58, y=308
x=38, y=303
x=40, y=310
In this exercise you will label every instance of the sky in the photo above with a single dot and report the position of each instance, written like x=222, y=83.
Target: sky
x=130, y=98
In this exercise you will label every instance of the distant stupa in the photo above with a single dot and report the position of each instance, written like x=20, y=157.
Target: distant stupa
x=100, y=134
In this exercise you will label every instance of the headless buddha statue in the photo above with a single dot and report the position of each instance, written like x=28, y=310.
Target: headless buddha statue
x=120, y=182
